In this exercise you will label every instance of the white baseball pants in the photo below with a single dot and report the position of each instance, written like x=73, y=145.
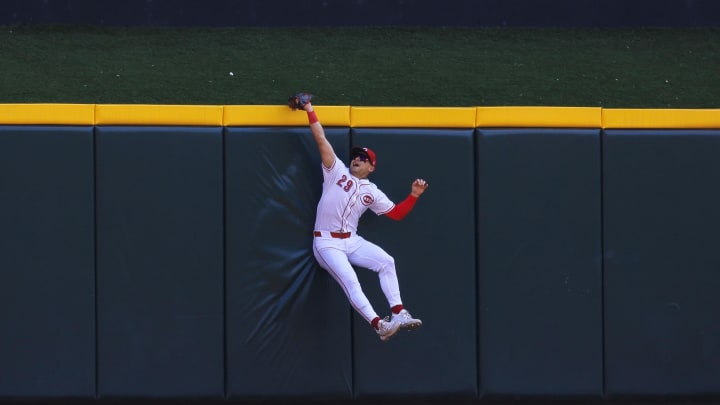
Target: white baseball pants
x=337, y=256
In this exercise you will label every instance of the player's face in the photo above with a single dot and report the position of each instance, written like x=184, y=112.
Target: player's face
x=360, y=166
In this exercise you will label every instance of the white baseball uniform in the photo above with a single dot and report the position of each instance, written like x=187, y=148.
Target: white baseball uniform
x=337, y=246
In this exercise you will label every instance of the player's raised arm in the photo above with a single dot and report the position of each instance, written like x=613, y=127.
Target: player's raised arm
x=327, y=154
x=302, y=101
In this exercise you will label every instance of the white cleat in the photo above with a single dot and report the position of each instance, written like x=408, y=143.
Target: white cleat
x=406, y=321
x=386, y=329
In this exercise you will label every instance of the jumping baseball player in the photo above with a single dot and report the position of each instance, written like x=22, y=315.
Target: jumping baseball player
x=347, y=194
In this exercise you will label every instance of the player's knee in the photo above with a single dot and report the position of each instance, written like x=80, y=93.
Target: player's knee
x=353, y=285
x=388, y=265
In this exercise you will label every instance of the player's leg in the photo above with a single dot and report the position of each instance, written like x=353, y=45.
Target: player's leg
x=336, y=263
x=371, y=256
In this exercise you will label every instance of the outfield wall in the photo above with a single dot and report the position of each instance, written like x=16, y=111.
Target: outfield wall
x=164, y=252
x=471, y=13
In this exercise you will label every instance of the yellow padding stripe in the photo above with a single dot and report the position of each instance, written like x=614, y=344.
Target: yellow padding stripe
x=44, y=114
x=137, y=114
x=668, y=118
x=412, y=117
x=268, y=115
x=539, y=117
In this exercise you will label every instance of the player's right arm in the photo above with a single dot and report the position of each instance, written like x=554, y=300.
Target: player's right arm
x=327, y=154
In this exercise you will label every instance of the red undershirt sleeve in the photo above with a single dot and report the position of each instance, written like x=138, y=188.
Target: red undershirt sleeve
x=400, y=210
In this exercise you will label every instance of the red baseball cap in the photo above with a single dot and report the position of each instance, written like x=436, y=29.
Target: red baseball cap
x=356, y=151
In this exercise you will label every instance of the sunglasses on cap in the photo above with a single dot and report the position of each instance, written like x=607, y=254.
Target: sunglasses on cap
x=363, y=157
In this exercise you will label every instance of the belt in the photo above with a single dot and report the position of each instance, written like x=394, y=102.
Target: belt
x=337, y=235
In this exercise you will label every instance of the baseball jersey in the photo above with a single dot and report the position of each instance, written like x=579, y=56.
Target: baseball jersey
x=345, y=198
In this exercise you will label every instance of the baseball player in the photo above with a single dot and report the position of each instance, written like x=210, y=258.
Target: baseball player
x=347, y=194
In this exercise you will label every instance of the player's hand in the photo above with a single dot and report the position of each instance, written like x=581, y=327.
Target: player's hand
x=298, y=101
x=418, y=187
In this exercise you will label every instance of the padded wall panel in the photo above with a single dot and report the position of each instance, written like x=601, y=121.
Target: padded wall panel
x=47, y=281
x=160, y=262
x=661, y=200
x=288, y=323
x=433, y=248
x=540, y=289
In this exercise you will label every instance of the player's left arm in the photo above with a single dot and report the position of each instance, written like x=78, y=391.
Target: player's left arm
x=403, y=208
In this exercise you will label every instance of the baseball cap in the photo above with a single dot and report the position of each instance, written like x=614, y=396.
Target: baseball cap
x=356, y=151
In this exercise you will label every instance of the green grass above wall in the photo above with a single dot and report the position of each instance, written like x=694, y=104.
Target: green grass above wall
x=382, y=66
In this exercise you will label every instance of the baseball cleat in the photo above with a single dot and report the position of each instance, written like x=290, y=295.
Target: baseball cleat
x=406, y=321
x=386, y=329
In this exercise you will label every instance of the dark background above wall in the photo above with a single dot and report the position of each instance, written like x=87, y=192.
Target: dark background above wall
x=562, y=13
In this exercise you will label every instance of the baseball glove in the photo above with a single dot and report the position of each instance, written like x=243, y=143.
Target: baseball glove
x=298, y=101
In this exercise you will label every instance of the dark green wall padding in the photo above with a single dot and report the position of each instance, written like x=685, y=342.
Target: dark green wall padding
x=167, y=262
x=160, y=262
x=47, y=274
x=540, y=257
x=288, y=323
x=661, y=200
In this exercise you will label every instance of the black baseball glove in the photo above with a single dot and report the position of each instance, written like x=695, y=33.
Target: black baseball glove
x=298, y=101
